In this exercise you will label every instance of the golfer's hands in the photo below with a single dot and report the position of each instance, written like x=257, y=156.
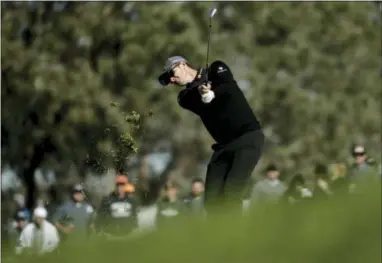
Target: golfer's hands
x=206, y=93
x=203, y=89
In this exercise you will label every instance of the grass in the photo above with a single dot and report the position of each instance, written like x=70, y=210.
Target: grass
x=342, y=230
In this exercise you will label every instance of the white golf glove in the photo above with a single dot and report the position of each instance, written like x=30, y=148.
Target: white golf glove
x=208, y=97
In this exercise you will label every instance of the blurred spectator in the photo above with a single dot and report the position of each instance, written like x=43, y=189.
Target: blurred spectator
x=362, y=170
x=12, y=209
x=339, y=182
x=20, y=204
x=195, y=200
x=322, y=187
x=170, y=206
x=117, y=214
x=38, y=237
x=9, y=179
x=74, y=217
x=297, y=190
x=246, y=204
x=338, y=171
x=53, y=204
x=130, y=189
x=269, y=189
x=21, y=219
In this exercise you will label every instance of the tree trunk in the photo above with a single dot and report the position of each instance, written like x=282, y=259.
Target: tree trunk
x=30, y=167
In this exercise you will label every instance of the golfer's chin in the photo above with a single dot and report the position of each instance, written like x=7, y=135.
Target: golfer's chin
x=179, y=84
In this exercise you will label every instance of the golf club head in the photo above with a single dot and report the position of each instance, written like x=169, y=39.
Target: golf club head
x=212, y=12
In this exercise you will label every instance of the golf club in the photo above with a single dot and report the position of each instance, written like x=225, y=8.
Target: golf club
x=210, y=95
x=211, y=15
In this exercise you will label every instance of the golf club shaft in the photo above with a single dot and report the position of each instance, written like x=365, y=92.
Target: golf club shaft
x=211, y=14
x=208, y=45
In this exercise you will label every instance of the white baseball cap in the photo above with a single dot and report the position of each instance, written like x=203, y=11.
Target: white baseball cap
x=40, y=212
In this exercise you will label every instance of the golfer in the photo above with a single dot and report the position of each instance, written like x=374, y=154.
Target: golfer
x=213, y=94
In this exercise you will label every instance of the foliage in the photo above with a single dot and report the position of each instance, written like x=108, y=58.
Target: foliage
x=312, y=69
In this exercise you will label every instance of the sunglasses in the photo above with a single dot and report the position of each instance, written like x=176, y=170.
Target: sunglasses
x=358, y=154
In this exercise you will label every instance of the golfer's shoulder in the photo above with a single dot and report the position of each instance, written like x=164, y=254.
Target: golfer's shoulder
x=218, y=65
x=220, y=72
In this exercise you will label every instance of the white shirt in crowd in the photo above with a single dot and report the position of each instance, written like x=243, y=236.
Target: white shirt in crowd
x=40, y=240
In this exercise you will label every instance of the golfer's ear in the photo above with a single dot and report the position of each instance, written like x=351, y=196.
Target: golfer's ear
x=172, y=79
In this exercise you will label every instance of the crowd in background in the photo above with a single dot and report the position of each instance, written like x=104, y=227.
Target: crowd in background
x=74, y=75
x=120, y=214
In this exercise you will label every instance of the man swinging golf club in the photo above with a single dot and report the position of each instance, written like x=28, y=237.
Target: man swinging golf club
x=213, y=94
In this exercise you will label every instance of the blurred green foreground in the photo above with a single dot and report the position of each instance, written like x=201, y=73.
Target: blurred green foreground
x=346, y=229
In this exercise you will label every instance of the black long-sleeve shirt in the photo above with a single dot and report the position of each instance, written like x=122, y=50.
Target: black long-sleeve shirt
x=228, y=115
x=116, y=215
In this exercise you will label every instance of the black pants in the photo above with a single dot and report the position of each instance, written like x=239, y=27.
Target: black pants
x=230, y=169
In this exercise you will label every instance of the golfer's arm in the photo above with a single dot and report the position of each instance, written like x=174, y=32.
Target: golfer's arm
x=221, y=90
x=221, y=77
x=190, y=99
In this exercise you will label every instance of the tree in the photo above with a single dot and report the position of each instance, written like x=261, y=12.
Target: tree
x=53, y=104
x=79, y=80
